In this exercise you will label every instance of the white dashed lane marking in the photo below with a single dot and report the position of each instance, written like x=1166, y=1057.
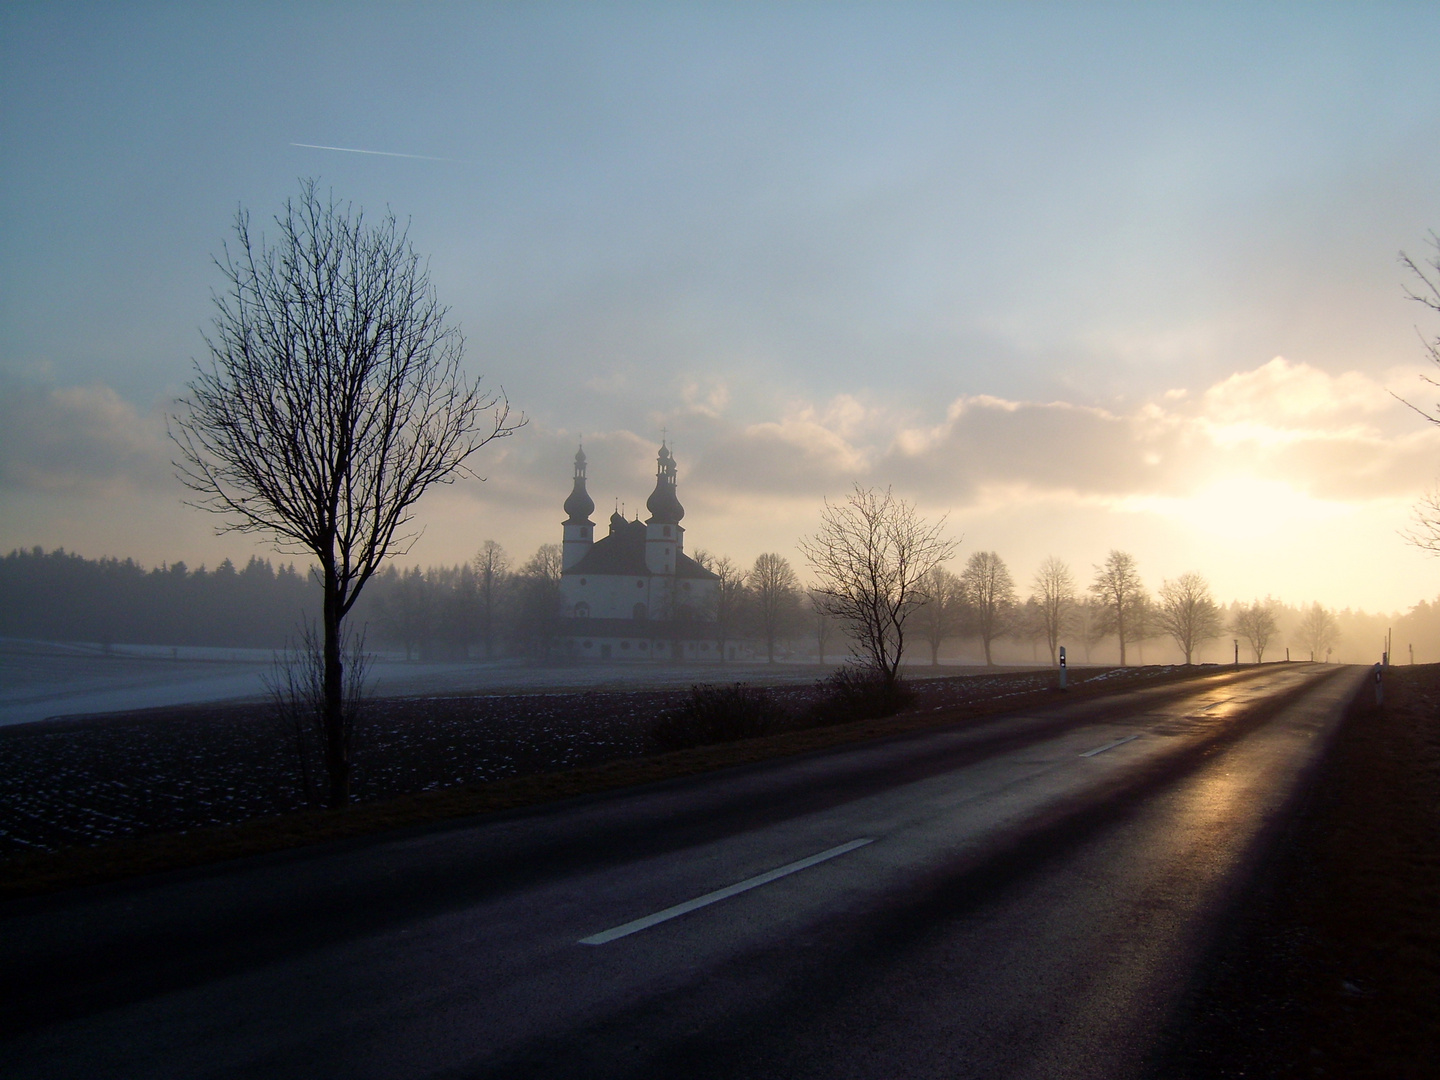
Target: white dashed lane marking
x=636, y=925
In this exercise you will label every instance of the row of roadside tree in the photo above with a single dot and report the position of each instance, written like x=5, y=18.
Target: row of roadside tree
x=497, y=606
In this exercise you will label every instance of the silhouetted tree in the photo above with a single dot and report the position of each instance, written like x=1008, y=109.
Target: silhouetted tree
x=537, y=601
x=1143, y=623
x=1318, y=631
x=943, y=613
x=1257, y=625
x=1117, y=586
x=1188, y=613
x=774, y=598
x=870, y=557
x=1027, y=624
x=1425, y=290
x=989, y=596
x=1091, y=624
x=492, y=566
x=728, y=599
x=332, y=400
x=1053, y=590
x=821, y=622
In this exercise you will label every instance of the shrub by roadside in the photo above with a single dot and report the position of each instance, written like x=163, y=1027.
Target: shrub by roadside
x=856, y=693
x=720, y=714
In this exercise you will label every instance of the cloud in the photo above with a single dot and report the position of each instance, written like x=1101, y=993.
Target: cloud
x=1280, y=450
x=78, y=438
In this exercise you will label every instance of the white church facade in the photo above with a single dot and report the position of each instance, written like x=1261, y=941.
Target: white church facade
x=634, y=594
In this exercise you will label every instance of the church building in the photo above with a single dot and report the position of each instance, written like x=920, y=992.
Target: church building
x=634, y=594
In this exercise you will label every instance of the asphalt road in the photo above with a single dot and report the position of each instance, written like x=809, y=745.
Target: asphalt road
x=1022, y=898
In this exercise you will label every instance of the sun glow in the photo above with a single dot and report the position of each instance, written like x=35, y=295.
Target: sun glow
x=1247, y=507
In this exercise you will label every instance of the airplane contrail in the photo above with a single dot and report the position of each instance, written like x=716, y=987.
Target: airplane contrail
x=378, y=153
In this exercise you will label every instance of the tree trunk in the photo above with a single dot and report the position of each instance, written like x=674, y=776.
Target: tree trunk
x=337, y=749
x=986, y=640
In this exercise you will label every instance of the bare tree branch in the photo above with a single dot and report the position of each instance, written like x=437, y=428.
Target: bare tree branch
x=1053, y=589
x=1188, y=613
x=1118, y=587
x=333, y=398
x=871, y=557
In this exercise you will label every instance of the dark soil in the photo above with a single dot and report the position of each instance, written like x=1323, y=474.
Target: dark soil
x=1332, y=968
x=90, y=780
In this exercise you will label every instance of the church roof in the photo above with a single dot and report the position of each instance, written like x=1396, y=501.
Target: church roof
x=623, y=553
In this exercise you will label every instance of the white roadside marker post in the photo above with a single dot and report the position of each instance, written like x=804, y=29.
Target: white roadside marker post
x=1062, y=667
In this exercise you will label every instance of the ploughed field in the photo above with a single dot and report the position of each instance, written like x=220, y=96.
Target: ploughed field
x=87, y=780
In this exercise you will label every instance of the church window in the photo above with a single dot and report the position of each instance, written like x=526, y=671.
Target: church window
x=638, y=612
x=639, y=584
x=582, y=581
x=582, y=610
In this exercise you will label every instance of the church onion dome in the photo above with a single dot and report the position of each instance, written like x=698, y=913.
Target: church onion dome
x=663, y=504
x=579, y=506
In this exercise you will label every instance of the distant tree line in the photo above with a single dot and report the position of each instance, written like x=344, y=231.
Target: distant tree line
x=495, y=606
x=61, y=596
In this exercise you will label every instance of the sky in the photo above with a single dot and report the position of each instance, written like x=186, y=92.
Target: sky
x=1079, y=277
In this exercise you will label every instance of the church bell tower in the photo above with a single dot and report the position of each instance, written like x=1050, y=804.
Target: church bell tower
x=579, y=529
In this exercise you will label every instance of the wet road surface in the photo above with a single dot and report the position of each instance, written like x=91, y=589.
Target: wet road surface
x=1020, y=898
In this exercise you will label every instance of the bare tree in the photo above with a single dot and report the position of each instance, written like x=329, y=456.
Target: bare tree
x=1257, y=625
x=989, y=595
x=1091, y=624
x=332, y=400
x=536, y=619
x=1318, y=631
x=1143, y=623
x=1117, y=586
x=820, y=621
x=729, y=596
x=942, y=616
x=1027, y=624
x=492, y=566
x=1053, y=589
x=1426, y=291
x=1188, y=613
x=774, y=596
x=870, y=557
